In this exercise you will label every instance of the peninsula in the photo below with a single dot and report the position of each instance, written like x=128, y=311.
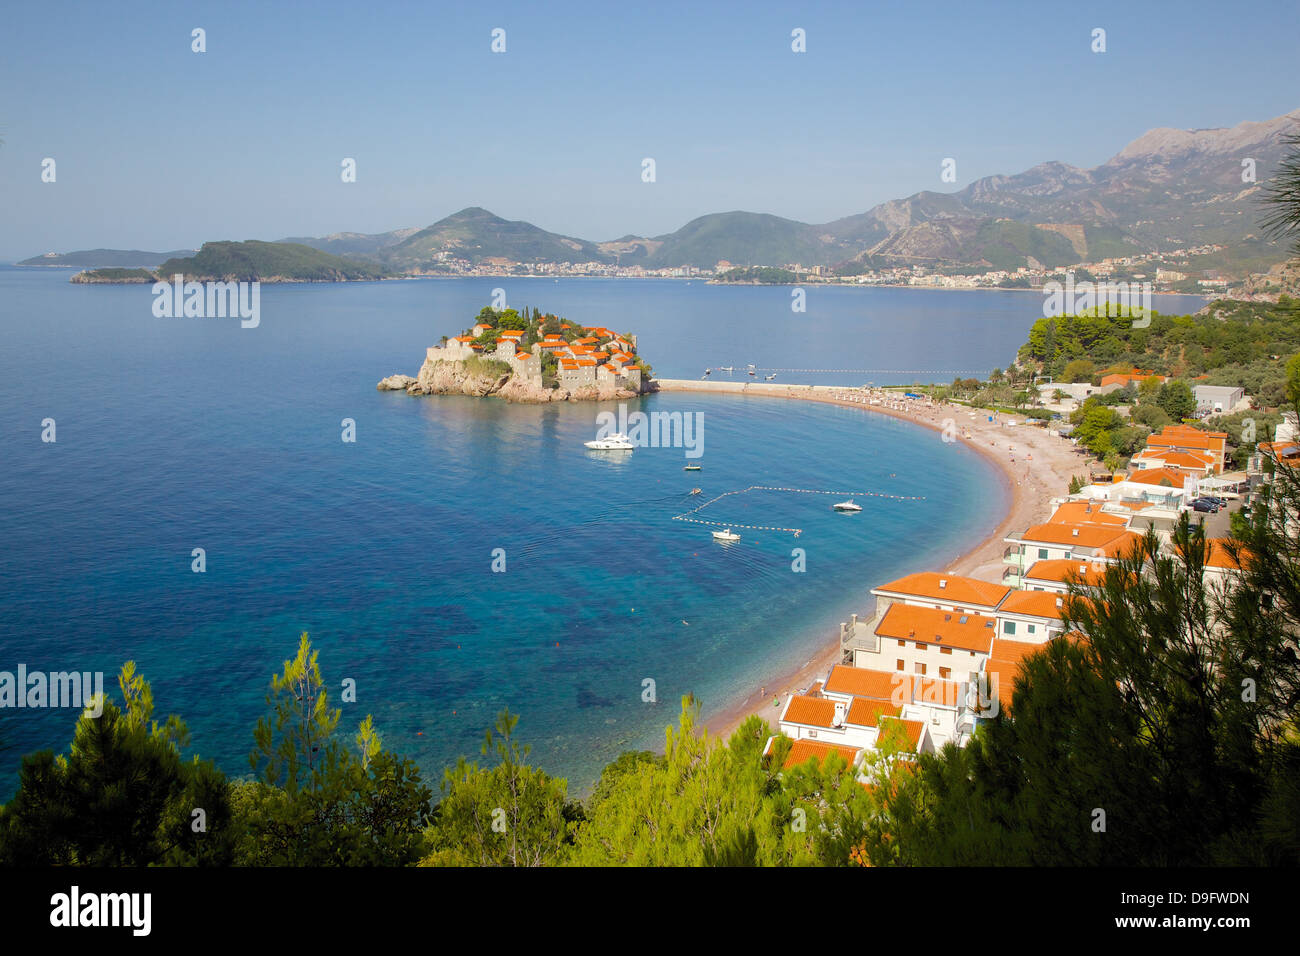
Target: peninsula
x=530, y=357
x=249, y=261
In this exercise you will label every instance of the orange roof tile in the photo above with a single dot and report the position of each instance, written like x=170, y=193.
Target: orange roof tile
x=1065, y=570
x=867, y=713
x=912, y=729
x=890, y=685
x=969, y=632
x=956, y=589
x=1085, y=512
x=1081, y=535
x=1044, y=604
x=1125, y=546
x=805, y=750
x=1158, y=477
x=812, y=711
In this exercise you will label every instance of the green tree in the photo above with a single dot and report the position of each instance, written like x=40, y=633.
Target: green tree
x=1293, y=380
x=1079, y=370
x=316, y=804
x=509, y=815
x=1136, y=744
x=122, y=796
x=1282, y=196
x=1177, y=400
x=1150, y=415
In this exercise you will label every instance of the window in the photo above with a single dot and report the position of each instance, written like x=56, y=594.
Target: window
x=900, y=663
x=1008, y=627
x=944, y=672
x=1042, y=554
x=902, y=643
x=1031, y=627
x=945, y=650
x=920, y=646
x=920, y=668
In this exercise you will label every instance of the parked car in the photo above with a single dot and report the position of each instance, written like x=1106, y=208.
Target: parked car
x=1205, y=504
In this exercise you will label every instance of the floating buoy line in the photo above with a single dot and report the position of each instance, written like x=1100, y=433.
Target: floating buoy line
x=688, y=515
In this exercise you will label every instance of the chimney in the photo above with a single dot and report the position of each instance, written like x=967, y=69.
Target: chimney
x=1074, y=532
x=1060, y=602
x=855, y=620
x=840, y=710
x=943, y=582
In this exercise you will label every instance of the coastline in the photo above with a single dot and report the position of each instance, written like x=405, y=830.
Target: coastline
x=1033, y=465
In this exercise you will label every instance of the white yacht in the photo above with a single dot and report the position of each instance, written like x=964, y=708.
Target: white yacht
x=725, y=536
x=615, y=442
x=847, y=506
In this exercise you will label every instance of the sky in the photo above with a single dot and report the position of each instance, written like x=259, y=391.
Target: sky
x=158, y=147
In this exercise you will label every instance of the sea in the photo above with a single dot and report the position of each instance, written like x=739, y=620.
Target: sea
x=199, y=507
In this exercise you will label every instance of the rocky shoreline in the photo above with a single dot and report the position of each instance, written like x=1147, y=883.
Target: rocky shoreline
x=445, y=377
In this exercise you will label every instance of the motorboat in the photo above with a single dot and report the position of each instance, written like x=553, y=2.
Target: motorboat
x=769, y=377
x=847, y=506
x=691, y=467
x=726, y=368
x=726, y=535
x=615, y=442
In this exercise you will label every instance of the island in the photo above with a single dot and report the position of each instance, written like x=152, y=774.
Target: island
x=530, y=357
x=248, y=261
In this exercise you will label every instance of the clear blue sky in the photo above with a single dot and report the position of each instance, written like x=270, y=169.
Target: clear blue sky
x=161, y=148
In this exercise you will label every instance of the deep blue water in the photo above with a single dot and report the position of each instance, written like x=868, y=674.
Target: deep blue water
x=174, y=434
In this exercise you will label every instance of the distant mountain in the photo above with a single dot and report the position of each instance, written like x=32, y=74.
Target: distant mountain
x=1167, y=189
x=268, y=262
x=355, y=243
x=476, y=234
x=743, y=238
x=105, y=259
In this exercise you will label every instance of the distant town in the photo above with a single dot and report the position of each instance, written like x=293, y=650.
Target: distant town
x=1159, y=269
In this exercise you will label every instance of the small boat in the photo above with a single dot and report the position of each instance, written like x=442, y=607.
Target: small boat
x=615, y=442
x=726, y=368
x=726, y=535
x=695, y=491
x=769, y=377
x=847, y=506
x=691, y=467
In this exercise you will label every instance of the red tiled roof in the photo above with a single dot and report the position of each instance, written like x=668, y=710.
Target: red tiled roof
x=1082, y=535
x=955, y=589
x=1044, y=604
x=805, y=750
x=1064, y=570
x=1085, y=512
x=968, y=632
x=811, y=711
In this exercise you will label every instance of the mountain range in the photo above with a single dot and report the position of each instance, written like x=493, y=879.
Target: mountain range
x=1168, y=189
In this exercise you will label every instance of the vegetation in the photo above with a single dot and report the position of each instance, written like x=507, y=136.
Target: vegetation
x=254, y=261
x=114, y=275
x=1236, y=343
x=487, y=368
x=763, y=275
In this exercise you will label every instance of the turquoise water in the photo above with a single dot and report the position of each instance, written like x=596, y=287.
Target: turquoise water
x=175, y=434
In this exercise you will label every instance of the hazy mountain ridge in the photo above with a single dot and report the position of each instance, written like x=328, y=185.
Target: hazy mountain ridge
x=106, y=259
x=1168, y=188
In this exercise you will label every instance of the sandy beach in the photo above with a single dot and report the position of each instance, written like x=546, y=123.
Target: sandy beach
x=1035, y=464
